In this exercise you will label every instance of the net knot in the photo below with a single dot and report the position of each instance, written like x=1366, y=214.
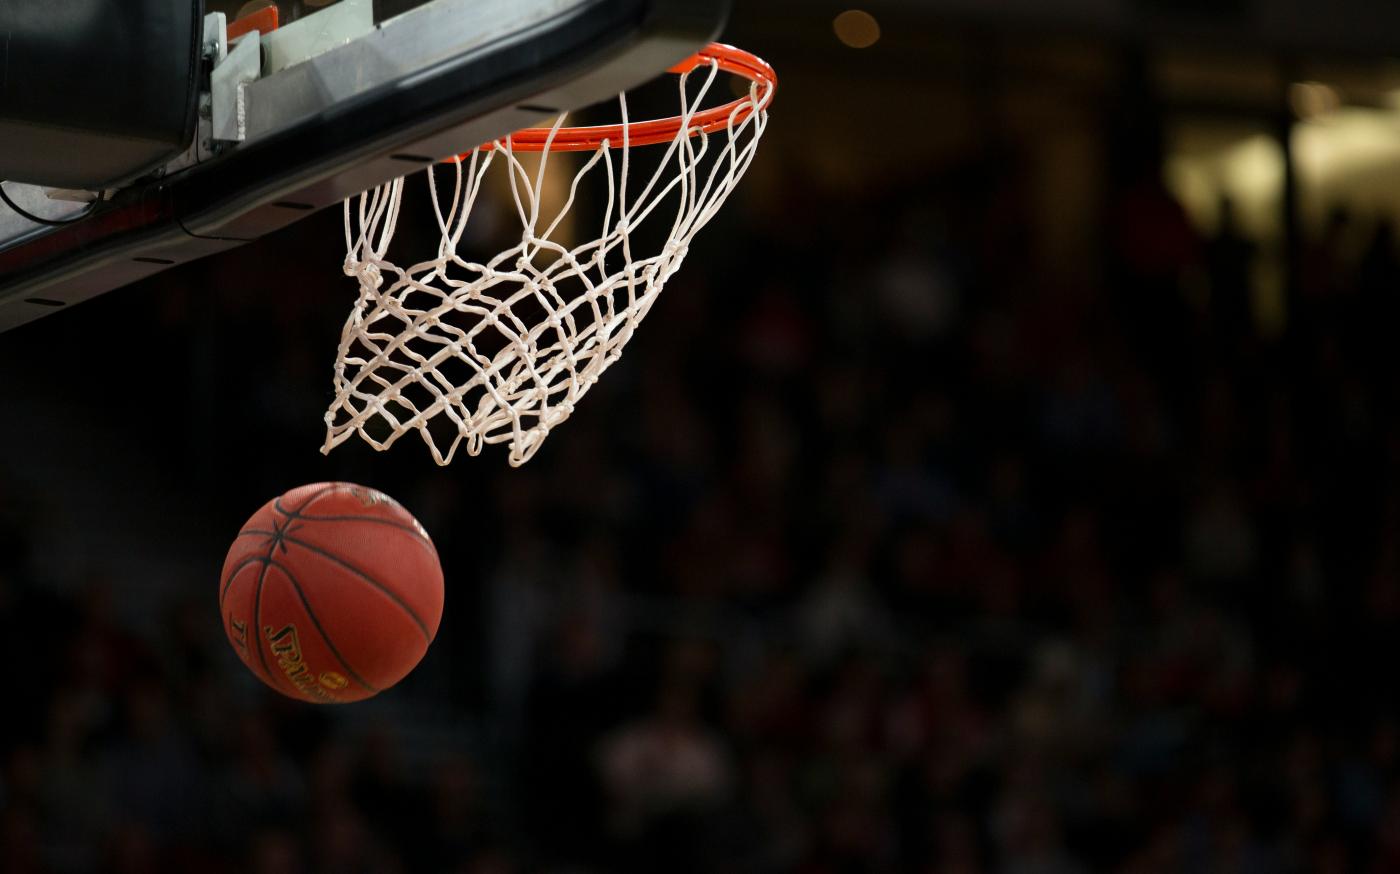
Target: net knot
x=367, y=273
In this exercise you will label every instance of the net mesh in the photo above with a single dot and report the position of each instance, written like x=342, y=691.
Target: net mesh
x=465, y=353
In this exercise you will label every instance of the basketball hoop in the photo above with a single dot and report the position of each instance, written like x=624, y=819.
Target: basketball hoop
x=472, y=353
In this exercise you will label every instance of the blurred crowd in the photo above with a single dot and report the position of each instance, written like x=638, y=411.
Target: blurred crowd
x=883, y=549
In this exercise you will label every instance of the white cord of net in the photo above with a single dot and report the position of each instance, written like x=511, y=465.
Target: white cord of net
x=462, y=352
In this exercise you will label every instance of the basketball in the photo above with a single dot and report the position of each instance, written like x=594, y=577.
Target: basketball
x=331, y=593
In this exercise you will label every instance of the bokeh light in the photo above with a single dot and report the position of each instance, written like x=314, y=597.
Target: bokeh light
x=857, y=28
x=1312, y=99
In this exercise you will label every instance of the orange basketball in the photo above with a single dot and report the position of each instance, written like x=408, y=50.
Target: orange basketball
x=331, y=593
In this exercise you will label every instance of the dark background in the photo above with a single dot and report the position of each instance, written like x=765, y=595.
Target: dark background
x=1007, y=483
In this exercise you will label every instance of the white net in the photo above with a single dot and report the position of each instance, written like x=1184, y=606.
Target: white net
x=465, y=353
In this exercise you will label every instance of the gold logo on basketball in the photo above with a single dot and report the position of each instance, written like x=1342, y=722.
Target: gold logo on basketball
x=287, y=648
x=333, y=681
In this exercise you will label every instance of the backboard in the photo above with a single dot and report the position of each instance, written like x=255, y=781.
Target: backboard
x=339, y=98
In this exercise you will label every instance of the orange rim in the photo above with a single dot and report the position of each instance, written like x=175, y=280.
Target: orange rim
x=265, y=20
x=663, y=130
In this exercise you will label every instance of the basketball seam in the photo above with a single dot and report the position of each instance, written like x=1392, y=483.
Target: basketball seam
x=330, y=487
x=298, y=514
x=257, y=623
x=296, y=587
x=257, y=600
x=422, y=626
x=228, y=583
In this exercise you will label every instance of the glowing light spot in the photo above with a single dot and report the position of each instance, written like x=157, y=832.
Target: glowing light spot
x=857, y=28
x=1312, y=99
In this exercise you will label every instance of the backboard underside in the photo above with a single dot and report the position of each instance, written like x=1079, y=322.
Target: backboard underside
x=434, y=80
